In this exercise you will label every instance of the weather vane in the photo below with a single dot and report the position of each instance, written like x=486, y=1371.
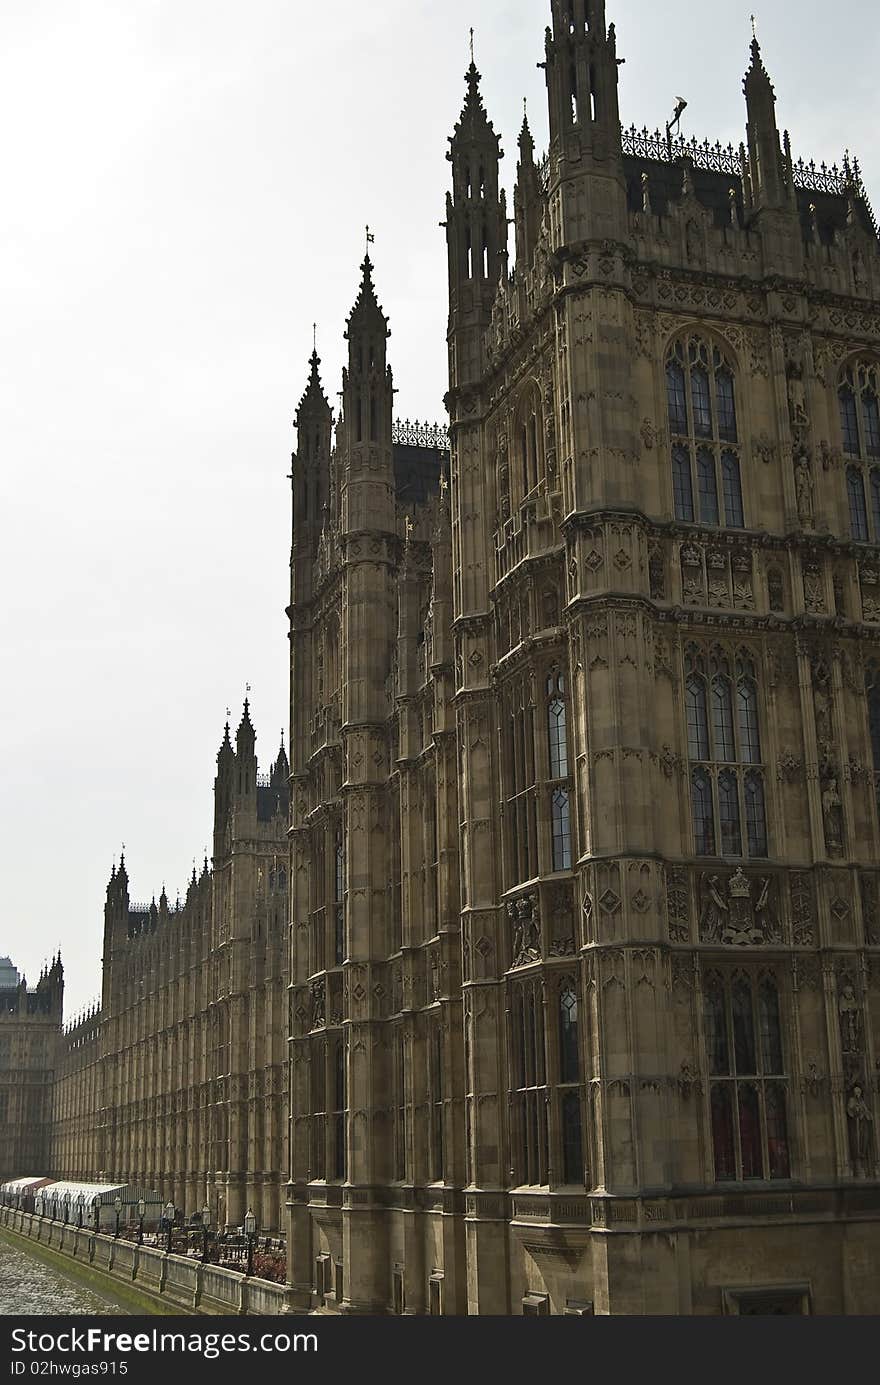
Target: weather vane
x=754, y=28
x=472, y=45
x=314, y=336
x=370, y=239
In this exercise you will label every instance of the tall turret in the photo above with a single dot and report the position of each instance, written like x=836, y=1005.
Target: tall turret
x=368, y=402
x=581, y=65
x=476, y=230
x=224, y=788
x=310, y=472
x=527, y=200
x=769, y=169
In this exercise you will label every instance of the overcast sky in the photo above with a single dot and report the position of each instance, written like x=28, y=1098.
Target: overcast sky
x=185, y=185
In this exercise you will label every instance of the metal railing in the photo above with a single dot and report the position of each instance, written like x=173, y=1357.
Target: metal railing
x=415, y=434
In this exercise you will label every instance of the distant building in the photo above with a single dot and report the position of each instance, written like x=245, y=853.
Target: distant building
x=30, y=1031
x=9, y=977
x=179, y=1079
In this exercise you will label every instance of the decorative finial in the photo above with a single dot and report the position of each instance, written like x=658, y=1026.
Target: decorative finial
x=472, y=45
x=370, y=239
x=228, y=713
x=754, y=28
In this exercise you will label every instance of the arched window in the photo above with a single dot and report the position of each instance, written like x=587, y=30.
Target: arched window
x=724, y=748
x=697, y=720
x=859, y=398
x=530, y=1152
x=682, y=485
x=701, y=403
x=747, y=1100
x=339, y=1113
x=756, y=817
x=569, y=1085
x=728, y=814
x=733, y=501
x=704, y=818
x=858, y=511
x=747, y=700
x=708, y=487
x=722, y=718
x=561, y=830
x=531, y=440
x=556, y=727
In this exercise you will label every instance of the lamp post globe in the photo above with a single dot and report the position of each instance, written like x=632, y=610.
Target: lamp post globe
x=169, y=1221
x=142, y=1211
x=117, y=1204
x=250, y=1226
x=206, y=1223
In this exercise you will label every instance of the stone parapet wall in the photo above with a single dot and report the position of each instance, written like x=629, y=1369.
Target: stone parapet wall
x=202, y=1289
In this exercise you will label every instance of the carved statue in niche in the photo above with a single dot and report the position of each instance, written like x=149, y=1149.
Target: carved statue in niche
x=503, y=475
x=832, y=813
x=775, y=590
x=859, y=1120
x=822, y=709
x=318, y=998
x=657, y=573
x=858, y=270
x=850, y=1012
x=797, y=400
x=526, y=923
x=693, y=241
x=814, y=592
x=803, y=484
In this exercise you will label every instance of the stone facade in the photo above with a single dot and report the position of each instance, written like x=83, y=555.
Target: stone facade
x=30, y=1035
x=583, y=977
x=586, y=745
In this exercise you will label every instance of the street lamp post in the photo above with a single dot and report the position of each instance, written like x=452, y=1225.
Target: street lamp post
x=117, y=1203
x=206, y=1222
x=250, y=1226
x=79, y=1212
x=65, y=1207
x=96, y=1210
x=142, y=1211
x=169, y=1220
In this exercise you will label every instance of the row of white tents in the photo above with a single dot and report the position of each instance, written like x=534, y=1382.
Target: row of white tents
x=83, y=1204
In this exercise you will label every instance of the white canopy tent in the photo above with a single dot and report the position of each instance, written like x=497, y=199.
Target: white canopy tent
x=87, y=1204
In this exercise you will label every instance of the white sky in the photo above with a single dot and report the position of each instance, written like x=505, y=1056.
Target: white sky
x=185, y=185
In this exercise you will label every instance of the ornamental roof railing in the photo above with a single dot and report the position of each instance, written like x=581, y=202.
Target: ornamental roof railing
x=717, y=158
x=415, y=434
x=839, y=180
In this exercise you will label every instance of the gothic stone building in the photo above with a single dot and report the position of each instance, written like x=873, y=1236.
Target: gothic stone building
x=585, y=982
x=30, y=1033
x=179, y=1081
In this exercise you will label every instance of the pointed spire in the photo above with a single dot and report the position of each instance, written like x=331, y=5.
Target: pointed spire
x=314, y=399
x=526, y=142
x=757, y=77
x=367, y=310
